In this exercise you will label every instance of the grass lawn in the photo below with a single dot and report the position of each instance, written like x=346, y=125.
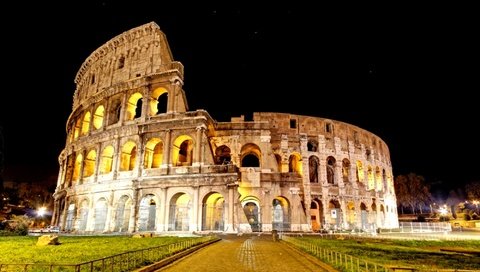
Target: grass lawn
x=74, y=249
x=418, y=254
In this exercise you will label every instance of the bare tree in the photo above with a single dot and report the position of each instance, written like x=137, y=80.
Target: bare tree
x=412, y=191
x=473, y=190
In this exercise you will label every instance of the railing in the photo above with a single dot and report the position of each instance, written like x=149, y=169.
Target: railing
x=120, y=262
x=345, y=262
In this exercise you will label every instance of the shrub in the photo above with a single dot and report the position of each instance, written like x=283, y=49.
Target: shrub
x=467, y=217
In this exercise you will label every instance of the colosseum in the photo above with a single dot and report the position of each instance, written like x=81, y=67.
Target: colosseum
x=138, y=159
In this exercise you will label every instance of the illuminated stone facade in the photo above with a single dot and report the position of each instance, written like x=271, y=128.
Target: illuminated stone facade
x=136, y=159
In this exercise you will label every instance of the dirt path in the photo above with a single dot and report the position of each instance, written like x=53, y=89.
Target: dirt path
x=247, y=253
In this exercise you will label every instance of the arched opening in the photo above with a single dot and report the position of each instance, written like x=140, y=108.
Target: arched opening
x=147, y=213
x=364, y=215
x=212, y=211
x=281, y=214
x=316, y=214
x=77, y=167
x=295, y=163
x=278, y=159
x=351, y=215
x=70, y=217
x=83, y=216
x=384, y=180
x=313, y=163
x=158, y=103
x=250, y=155
x=346, y=170
x=183, y=151
x=153, y=153
x=360, y=172
x=312, y=145
x=134, y=107
x=179, y=217
x=252, y=213
x=222, y=155
x=382, y=216
x=371, y=179
x=331, y=164
x=378, y=179
x=373, y=215
x=77, y=128
x=100, y=214
x=98, y=117
x=129, y=155
x=335, y=214
x=86, y=123
x=114, y=111
x=89, y=163
x=106, y=160
x=122, y=214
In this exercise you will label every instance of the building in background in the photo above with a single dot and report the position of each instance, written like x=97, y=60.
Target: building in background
x=137, y=159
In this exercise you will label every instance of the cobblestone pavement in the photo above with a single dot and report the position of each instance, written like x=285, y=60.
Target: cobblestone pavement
x=247, y=253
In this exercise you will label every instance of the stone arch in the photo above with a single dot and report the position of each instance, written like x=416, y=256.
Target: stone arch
x=351, y=215
x=378, y=179
x=335, y=212
x=134, y=107
x=316, y=214
x=331, y=165
x=159, y=101
x=70, y=217
x=213, y=205
x=278, y=159
x=98, y=117
x=346, y=170
x=153, y=153
x=251, y=209
x=86, y=124
x=77, y=167
x=122, y=214
x=250, y=155
x=106, y=160
x=360, y=172
x=384, y=180
x=295, y=163
x=100, y=214
x=147, y=213
x=183, y=151
x=222, y=155
x=89, y=163
x=83, y=215
x=363, y=215
x=312, y=145
x=180, y=212
x=129, y=156
x=280, y=214
x=370, y=178
x=313, y=166
x=114, y=111
x=77, y=128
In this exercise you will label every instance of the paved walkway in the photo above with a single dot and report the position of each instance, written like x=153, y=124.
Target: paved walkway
x=247, y=253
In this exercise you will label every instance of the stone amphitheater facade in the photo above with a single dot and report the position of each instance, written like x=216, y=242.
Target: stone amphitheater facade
x=137, y=159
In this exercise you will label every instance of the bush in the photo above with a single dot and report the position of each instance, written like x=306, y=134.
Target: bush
x=475, y=216
x=467, y=217
x=18, y=225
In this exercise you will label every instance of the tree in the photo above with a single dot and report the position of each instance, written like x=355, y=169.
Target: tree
x=412, y=191
x=454, y=197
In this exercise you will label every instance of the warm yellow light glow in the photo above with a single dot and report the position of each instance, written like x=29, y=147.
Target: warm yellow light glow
x=98, y=117
x=106, y=160
x=132, y=106
x=89, y=163
x=41, y=211
x=182, y=153
x=76, y=129
x=86, y=123
x=129, y=155
x=77, y=167
x=153, y=153
x=154, y=102
x=295, y=163
x=371, y=180
x=360, y=172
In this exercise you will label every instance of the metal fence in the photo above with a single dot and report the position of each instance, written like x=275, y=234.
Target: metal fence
x=345, y=262
x=120, y=262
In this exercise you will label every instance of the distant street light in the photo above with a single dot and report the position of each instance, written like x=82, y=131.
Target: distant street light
x=41, y=211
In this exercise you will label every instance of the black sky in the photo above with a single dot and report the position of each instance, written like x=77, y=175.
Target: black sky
x=408, y=74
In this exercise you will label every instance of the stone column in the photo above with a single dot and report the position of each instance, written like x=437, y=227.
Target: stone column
x=97, y=161
x=145, y=104
x=339, y=174
x=122, y=109
x=229, y=226
x=110, y=216
x=82, y=166
x=167, y=149
x=116, y=158
x=163, y=224
x=141, y=156
x=353, y=174
x=172, y=96
x=194, y=221
x=64, y=214
x=132, y=224
x=197, y=159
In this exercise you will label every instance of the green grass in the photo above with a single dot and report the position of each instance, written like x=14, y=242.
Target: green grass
x=72, y=250
x=418, y=254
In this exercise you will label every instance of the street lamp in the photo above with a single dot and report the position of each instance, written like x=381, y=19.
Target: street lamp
x=41, y=211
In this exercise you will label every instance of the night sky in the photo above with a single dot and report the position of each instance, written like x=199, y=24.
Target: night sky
x=407, y=74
